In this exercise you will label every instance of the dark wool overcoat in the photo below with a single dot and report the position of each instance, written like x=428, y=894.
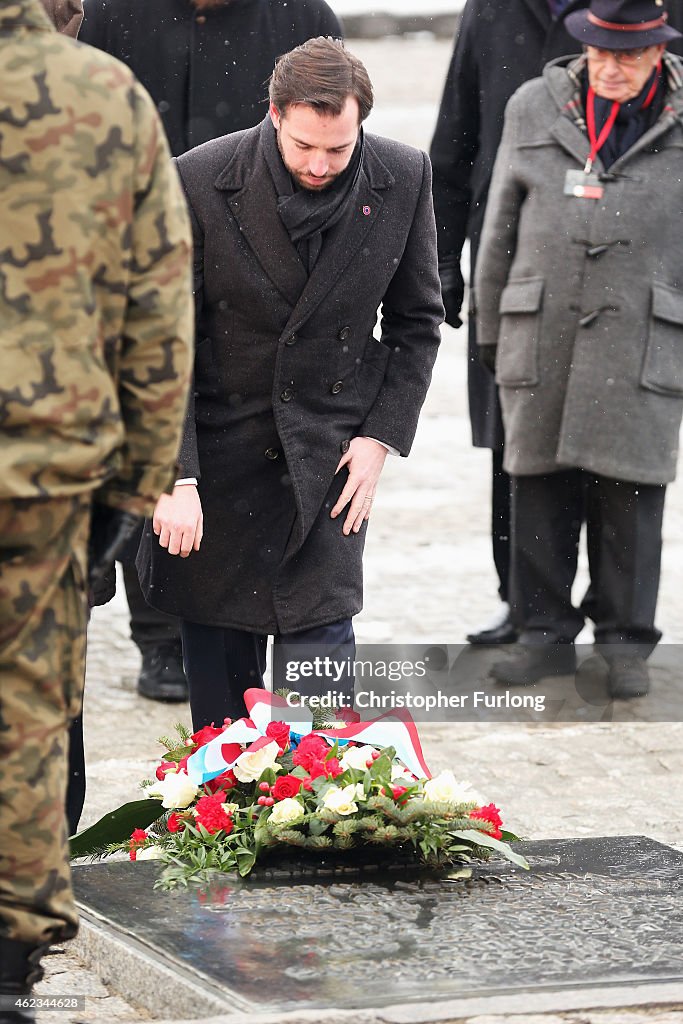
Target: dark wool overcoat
x=287, y=371
x=206, y=69
x=500, y=45
x=585, y=296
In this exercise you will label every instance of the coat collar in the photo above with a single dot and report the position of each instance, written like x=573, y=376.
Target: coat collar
x=252, y=200
x=24, y=14
x=562, y=80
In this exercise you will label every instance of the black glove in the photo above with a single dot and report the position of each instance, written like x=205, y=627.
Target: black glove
x=110, y=529
x=104, y=589
x=452, y=289
x=487, y=356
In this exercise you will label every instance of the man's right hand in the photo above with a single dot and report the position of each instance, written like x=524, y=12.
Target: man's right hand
x=452, y=289
x=178, y=520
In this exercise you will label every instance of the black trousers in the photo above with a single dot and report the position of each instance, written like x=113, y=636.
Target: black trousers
x=500, y=522
x=221, y=663
x=624, y=539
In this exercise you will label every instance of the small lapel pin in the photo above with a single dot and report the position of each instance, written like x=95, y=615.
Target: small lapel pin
x=367, y=211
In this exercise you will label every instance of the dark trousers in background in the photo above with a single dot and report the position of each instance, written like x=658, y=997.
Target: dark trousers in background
x=500, y=522
x=75, y=791
x=221, y=663
x=624, y=540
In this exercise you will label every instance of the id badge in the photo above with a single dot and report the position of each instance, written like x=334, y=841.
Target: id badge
x=583, y=185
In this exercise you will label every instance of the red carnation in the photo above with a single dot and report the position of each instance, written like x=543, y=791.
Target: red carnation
x=490, y=814
x=165, y=766
x=279, y=731
x=330, y=768
x=311, y=749
x=210, y=814
x=222, y=783
x=175, y=823
x=138, y=838
x=208, y=733
x=286, y=786
x=333, y=767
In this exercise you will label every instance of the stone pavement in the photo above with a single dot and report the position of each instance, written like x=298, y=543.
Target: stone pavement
x=429, y=577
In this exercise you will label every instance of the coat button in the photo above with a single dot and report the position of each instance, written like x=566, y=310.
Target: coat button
x=337, y=387
x=344, y=447
x=291, y=340
x=344, y=333
x=287, y=395
x=272, y=454
x=596, y=250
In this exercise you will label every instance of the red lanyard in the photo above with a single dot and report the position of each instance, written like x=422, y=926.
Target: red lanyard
x=597, y=142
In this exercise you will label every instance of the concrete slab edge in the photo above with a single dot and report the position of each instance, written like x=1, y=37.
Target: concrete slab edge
x=465, y=1011
x=142, y=978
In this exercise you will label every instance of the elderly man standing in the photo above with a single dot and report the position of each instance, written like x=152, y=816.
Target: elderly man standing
x=212, y=60
x=500, y=45
x=95, y=337
x=579, y=287
x=303, y=227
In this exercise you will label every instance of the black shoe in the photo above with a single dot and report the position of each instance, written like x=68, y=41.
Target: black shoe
x=499, y=631
x=162, y=676
x=628, y=676
x=534, y=662
x=19, y=971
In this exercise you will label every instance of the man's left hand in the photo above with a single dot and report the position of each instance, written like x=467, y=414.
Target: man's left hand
x=364, y=461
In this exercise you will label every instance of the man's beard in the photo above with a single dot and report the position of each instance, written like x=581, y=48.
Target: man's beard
x=297, y=175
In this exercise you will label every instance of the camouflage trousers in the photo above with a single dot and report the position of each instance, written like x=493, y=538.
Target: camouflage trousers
x=43, y=615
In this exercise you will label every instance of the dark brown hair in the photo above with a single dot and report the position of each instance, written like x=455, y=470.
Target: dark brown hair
x=321, y=73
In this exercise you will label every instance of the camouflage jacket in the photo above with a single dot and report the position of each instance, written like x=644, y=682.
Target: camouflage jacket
x=95, y=293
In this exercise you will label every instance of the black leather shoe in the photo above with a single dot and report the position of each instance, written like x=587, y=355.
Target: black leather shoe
x=534, y=662
x=501, y=630
x=628, y=676
x=162, y=676
x=19, y=971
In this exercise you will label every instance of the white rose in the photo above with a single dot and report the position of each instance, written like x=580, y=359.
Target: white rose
x=175, y=791
x=286, y=812
x=446, y=789
x=357, y=757
x=149, y=853
x=343, y=801
x=251, y=765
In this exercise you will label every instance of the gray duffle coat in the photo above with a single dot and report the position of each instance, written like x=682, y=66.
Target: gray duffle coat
x=584, y=297
x=287, y=372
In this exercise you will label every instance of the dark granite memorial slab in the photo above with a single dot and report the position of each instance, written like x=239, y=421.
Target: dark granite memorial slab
x=591, y=912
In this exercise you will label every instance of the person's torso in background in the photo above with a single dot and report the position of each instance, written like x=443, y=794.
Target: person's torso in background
x=207, y=69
